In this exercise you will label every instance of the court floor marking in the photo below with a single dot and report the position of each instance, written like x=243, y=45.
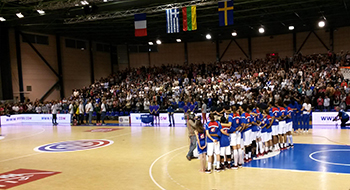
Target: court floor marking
x=7, y=140
x=156, y=160
x=167, y=172
x=33, y=154
x=325, y=162
x=18, y=157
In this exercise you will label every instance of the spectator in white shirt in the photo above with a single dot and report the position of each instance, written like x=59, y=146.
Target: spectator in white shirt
x=326, y=103
x=81, y=113
x=89, y=109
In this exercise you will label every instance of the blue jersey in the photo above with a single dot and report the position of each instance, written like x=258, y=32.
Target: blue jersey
x=274, y=112
x=246, y=119
x=151, y=109
x=170, y=109
x=343, y=114
x=202, y=137
x=181, y=104
x=230, y=119
x=213, y=127
x=289, y=114
x=235, y=122
x=298, y=107
x=283, y=113
x=224, y=139
x=156, y=109
x=195, y=105
x=264, y=122
x=255, y=128
x=192, y=108
x=186, y=108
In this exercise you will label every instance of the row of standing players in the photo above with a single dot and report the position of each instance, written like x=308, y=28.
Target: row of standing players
x=247, y=132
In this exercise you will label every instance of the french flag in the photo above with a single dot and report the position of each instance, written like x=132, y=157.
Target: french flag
x=140, y=24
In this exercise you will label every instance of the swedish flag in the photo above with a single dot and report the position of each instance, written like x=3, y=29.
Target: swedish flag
x=226, y=13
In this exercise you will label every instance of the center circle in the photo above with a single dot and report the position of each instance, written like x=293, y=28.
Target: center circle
x=70, y=146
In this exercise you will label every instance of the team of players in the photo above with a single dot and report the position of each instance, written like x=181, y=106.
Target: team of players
x=245, y=133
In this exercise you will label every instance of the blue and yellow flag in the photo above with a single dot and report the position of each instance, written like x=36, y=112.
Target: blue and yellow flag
x=226, y=13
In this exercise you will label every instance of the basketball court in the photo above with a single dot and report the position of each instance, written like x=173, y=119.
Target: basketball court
x=45, y=157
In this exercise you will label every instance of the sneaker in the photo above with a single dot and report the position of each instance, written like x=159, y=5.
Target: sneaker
x=207, y=171
x=240, y=165
x=188, y=158
x=170, y=125
x=250, y=159
x=235, y=167
x=218, y=169
x=291, y=146
x=228, y=166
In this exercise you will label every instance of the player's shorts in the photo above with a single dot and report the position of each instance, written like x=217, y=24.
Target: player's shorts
x=200, y=151
x=258, y=134
x=269, y=137
x=274, y=130
x=225, y=151
x=253, y=136
x=282, y=127
x=235, y=139
x=266, y=136
x=290, y=126
x=247, y=137
x=213, y=148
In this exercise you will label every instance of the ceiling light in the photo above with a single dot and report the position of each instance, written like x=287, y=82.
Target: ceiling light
x=321, y=24
x=84, y=2
x=159, y=42
x=105, y=0
x=234, y=33
x=41, y=12
x=291, y=27
x=2, y=19
x=261, y=30
x=19, y=15
x=150, y=43
x=208, y=36
x=178, y=40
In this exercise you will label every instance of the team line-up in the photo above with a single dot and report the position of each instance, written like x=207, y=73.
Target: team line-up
x=244, y=133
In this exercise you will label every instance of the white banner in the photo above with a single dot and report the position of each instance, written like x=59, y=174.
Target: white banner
x=124, y=120
x=325, y=118
x=164, y=118
x=35, y=118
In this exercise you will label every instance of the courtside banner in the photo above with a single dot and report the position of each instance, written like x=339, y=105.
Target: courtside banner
x=325, y=118
x=164, y=118
x=124, y=120
x=35, y=118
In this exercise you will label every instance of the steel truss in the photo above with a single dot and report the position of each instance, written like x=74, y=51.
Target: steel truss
x=120, y=14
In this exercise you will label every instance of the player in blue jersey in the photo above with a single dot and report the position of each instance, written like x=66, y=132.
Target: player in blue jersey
x=282, y=125
x=289, y=126
x=266, y=131
x=151, y=111
x=225, y=149
x=213, y=132
x=235, y=136
x=257, y=131
x=156, y=113
x=342, y=116
x=247, y=131
x=274, y=113
x=201, y=142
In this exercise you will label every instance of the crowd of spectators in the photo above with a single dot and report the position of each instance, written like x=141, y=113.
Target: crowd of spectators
x=316, y=78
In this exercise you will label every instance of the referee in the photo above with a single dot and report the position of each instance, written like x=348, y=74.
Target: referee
x=54, y=113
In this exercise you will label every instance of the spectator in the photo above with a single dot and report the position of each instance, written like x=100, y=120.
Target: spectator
x=326, y=103
x=320, y=103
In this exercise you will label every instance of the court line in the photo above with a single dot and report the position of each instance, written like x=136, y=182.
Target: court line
x=325, y=162
x=151, y=167
x=43, y=130
x=170, y=175
x=18, y=157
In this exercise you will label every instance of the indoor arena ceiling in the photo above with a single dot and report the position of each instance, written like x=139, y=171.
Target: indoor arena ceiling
x=68, y=18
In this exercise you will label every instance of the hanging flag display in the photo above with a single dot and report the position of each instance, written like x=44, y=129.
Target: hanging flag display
x=172, y=20
x=189, y=18
x=140, y=25
x=226, y=13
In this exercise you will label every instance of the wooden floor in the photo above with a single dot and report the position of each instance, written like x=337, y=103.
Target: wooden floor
x=147, y=158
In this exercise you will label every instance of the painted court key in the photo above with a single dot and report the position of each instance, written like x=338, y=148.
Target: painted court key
x=21, y=176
